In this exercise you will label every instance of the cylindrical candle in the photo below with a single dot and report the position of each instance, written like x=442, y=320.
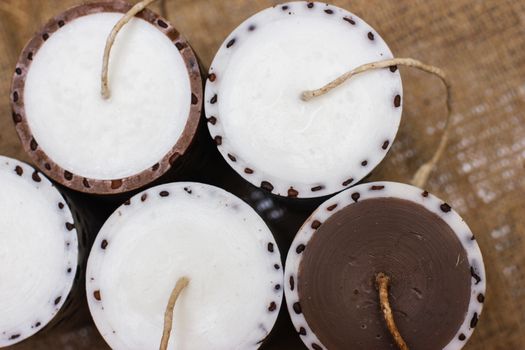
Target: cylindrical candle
x=273, y=138
x=39, y=253
x=101, y=146
x=431, y=256
x=185, y=229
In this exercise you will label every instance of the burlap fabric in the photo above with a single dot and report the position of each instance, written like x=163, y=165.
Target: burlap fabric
x=480, y=44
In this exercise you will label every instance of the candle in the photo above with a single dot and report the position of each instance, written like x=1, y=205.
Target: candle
x=430, y=255
x=185, y=230
x=39, y=253
x=273, y=138
x=114, y=145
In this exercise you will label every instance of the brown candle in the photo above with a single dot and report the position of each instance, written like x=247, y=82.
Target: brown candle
x=437, y=279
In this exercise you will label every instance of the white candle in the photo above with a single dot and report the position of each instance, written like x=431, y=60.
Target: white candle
x=38, y=251
x=83, y=140
x=192, y=230
x=273, y=138
x=433, y=261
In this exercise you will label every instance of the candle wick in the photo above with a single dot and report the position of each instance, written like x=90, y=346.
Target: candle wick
x=382, y=283
x=111, y=40
x=420, y=179
x=168, y=314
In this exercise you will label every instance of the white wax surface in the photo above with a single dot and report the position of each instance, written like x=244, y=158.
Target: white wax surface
x=210, y=236
x=34, y=256
x=287, y=141
x=115, y=138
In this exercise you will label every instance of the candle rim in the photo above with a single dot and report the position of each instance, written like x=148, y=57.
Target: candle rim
x=104, y=186
x=388, y=189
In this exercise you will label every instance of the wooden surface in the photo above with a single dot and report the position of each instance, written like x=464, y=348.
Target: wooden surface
x=481, y=45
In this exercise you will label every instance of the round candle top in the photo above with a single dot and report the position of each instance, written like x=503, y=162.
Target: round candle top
x=155, y=89
x=268, y=133
x=38, y=251
x=434, y=264
x=192, y=230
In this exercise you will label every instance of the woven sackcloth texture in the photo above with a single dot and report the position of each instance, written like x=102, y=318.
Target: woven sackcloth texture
x=481, y=46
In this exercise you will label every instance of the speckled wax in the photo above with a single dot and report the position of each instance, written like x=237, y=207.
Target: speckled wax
x=434, y=263
x=100, y=146
x=193, y=230
x=39, y=253
x=273, y=138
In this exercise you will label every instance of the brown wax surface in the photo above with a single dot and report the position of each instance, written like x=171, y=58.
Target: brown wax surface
x=428, y=267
